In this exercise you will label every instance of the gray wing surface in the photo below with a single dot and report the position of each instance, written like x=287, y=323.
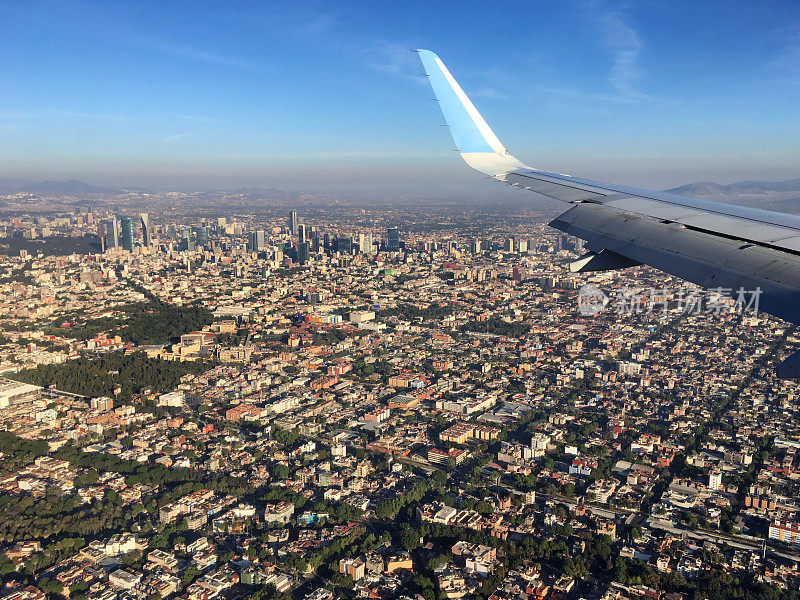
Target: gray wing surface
x=715, y=245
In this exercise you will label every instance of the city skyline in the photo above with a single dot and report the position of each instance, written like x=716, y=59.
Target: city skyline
x=653, y=96
x=237, y=409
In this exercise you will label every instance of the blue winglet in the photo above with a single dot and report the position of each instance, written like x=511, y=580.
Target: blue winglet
x=475, y=140
x=470, y=131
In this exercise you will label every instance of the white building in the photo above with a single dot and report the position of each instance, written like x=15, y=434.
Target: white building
x=124, y=579
x=175, y=399
x=539, y=443
x=361, y=316
x=715, y=480
x=785, y=532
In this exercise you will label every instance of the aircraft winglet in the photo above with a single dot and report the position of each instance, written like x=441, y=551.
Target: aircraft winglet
x=475, y=140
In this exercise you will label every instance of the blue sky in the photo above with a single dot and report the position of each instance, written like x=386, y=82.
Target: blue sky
x=320, y=97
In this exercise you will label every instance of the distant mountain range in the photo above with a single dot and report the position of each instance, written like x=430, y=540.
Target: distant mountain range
x=706, y=187
x=72, y=187
x=781, y=196
x=8, y=186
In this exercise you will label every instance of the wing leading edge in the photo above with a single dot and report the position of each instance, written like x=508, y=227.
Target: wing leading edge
x=718, y=246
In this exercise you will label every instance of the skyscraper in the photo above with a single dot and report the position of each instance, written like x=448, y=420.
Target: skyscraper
x=303, y=251
x=393, y=238
x=126, y=225
x=344, y=244
x=365, y=243
x=101, y=233
x=301, y=233
x=201, y=235
x=112, y=233
x=187, y=242
x=518, y=274
x=257, y=241
x=293, y=222
x=314, y=239
x=146, y=233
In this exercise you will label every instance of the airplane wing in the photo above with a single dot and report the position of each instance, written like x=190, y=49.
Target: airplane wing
x=723, y=247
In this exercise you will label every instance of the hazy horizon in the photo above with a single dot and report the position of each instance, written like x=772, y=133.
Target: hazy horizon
x=442, y=181
x=310, y=98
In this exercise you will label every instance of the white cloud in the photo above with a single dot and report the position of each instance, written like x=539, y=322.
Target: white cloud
x=625, y=45
x=787, y=62
x=392, y=58
x=172, y=138
x=489, y=93
x=191, y=53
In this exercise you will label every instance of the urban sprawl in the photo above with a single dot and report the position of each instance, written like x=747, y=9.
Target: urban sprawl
x=378, y=403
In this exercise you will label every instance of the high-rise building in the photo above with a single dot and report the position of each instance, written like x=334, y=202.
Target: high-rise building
x=365, y=243
x=101, y=234
x=522, y=246
x=301, y=233
x=315, y=240
x=393, y=239
x=293, y=222
x=303, y=252
x=146, y=232
x=112, y=233
x=187, y=244
x=201, y=235
x=258, y=242
x=126, y=226
x=518, y=274
x=344, y=244
x=508, y=246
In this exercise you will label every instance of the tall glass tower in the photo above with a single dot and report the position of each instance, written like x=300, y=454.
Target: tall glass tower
x=146, y=233
x=126, y=225
x=258, y=241
x=393, y=238
x=201, y=235
x=303, y=251
x=112, y=233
